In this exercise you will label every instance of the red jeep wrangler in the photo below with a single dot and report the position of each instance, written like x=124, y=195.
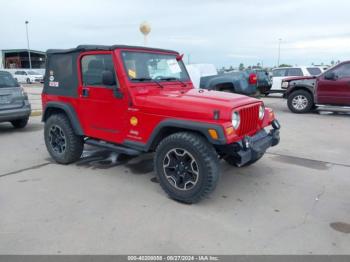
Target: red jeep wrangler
x=135, y=99
x=330, y=90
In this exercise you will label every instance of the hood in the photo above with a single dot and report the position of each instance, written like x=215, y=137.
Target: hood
x=298, y=78
x=193, y=103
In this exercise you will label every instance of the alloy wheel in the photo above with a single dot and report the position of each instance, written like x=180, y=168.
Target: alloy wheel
x=181, y=169
x=300, y=102
x=57, y=139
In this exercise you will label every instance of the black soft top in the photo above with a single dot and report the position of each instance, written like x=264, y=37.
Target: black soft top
x=83, y=48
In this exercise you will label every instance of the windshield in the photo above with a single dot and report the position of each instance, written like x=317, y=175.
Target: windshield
x=32, y=73
x=143, y=66
x=6, y=80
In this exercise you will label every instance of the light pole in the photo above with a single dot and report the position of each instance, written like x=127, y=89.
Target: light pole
x=30, y=60
x=279, y=51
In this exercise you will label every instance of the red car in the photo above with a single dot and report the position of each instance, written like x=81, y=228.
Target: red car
x=330, y=89
x=135, y=99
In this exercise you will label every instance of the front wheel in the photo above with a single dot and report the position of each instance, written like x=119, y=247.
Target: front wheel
x=28, y=81
x=61, y=141
x=187, y=166
x=300, y=101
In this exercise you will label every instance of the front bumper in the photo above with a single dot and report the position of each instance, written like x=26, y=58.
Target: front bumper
x=253, y=147
x=16, y=113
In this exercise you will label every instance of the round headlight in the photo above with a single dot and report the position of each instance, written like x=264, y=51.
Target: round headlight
x=236, y=120
x=261, y=111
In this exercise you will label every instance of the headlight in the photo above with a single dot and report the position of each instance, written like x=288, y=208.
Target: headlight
x=261, y=111
x=285, y=85
x=236, y=120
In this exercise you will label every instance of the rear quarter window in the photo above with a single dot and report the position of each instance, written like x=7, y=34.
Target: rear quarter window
x=314, y=71
x=6, y=80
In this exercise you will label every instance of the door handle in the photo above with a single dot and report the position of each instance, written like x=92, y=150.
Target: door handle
x=85, y=92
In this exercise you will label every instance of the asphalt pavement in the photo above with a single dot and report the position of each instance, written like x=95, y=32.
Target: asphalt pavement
x=295, y=200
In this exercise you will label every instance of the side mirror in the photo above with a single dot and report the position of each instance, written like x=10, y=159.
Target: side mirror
x=108, y=78
x=330, y=76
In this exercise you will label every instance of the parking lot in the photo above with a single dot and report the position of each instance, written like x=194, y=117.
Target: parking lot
x=293, y=201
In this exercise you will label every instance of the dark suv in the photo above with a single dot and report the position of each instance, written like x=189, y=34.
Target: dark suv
x=14, y=104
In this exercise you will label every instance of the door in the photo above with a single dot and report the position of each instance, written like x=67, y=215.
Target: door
x=277, y=76
x=101, y=111
x=334, y=91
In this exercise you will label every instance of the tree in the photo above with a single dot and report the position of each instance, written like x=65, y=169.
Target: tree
x=241, y=67
x=284, y=65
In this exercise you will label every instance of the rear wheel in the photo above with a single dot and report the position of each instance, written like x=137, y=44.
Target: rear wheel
x=62, y=143
x=20, y=123
x=300, y=101
x=187, y=166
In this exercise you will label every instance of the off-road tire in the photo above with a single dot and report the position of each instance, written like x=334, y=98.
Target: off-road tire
x=74, y=143
x=20, y=123
x=304, y=94
x=206, y=158
x=233, y=162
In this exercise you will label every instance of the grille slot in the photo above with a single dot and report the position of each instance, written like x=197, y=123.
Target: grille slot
x=249, y=119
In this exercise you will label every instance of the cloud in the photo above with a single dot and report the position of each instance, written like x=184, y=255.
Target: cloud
x=220, y=32
x=243, y=56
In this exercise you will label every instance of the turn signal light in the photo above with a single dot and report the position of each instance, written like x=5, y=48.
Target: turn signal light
x=271, y=116
x=229, y=130
x=213, y=134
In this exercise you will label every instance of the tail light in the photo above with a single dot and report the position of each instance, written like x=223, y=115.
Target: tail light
x=253, y=79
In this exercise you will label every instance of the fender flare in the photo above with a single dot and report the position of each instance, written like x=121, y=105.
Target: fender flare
x=183, y=124
x=70, y=112
x=299, y=87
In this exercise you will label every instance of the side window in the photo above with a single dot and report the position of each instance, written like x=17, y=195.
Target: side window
x=93, y=67
x=295, y=72
x=17, y=73
x=342, y=71
x=279, y=72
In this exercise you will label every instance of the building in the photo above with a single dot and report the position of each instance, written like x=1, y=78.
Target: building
x=19, y=58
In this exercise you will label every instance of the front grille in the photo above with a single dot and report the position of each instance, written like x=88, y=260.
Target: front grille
x=249, y=119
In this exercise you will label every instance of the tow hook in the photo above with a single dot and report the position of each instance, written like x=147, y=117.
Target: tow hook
x=275, y=124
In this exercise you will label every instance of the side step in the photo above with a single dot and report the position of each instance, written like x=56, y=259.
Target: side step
x=333, y=108
x=113, y=147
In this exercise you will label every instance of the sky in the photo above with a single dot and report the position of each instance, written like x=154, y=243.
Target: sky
x=220, y=32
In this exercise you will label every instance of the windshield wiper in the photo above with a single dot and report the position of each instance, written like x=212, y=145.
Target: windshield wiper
x=141, y=79
x=173, y=78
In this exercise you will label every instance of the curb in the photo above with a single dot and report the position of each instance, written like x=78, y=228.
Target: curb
x=36, y=113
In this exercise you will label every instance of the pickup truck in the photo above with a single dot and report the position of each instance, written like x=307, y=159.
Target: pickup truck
x=242, y=82
x=331, y=89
